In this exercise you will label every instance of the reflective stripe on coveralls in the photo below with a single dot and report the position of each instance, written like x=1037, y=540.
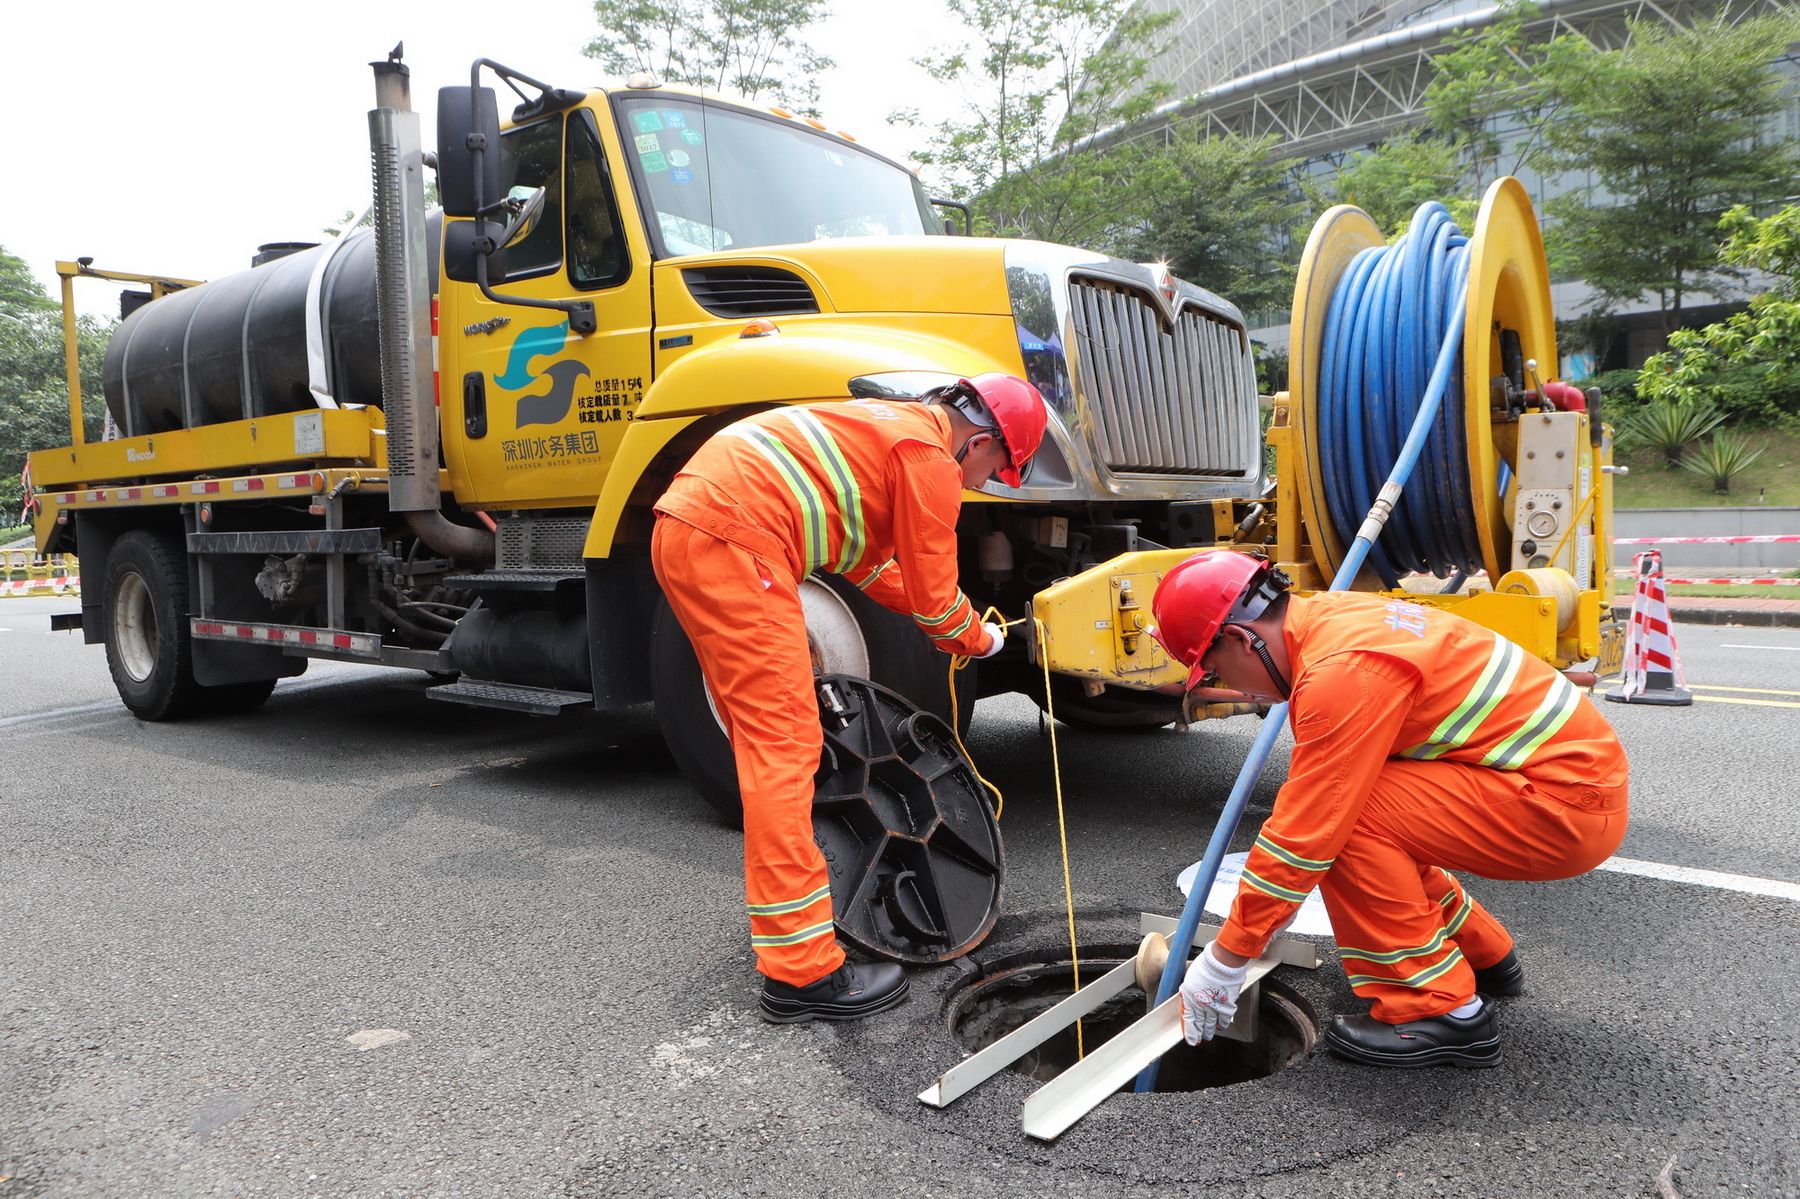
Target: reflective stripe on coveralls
x=1423, y=741
x=866, y=489
x=759, y=507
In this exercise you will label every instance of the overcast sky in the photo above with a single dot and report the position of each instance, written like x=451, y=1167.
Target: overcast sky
x=175, y=136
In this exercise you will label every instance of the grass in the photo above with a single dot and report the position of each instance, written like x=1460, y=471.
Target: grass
x=1774, y=479
x=1736, y=590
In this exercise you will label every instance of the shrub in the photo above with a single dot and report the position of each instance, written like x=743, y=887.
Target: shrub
x=1722, y=459
x=1671, y=427
x=1619, y=399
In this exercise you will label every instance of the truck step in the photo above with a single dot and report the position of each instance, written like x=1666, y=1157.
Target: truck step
x=512, y=697
x=516, y=580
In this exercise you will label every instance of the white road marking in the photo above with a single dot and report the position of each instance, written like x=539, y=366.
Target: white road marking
x=375, y=1038
x=1703, y=878
x=1792, y=649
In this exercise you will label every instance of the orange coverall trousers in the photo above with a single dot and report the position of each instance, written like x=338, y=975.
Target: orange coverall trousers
x=1382, y=896
x=741, y=610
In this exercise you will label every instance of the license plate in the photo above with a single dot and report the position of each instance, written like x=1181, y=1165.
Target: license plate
x=1612, y=649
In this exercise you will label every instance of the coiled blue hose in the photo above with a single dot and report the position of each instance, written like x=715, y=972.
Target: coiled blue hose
x=1416, y=293
x=1385, y=326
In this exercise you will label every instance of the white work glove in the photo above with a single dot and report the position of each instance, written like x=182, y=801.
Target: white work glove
x=1209, y=996
x=996, y=638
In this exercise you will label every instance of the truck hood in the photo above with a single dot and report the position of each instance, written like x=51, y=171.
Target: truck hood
x=885, y=274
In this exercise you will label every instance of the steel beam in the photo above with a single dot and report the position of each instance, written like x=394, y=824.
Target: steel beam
x=971, y=1072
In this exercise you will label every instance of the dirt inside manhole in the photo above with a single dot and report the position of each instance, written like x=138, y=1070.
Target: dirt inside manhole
x=1012, y=992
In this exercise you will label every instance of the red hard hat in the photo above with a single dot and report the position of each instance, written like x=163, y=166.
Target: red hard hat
x=1198, y=597
x=1019, y=411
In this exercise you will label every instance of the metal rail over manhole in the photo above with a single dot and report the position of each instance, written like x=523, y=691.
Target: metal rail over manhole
x=1059, y=1103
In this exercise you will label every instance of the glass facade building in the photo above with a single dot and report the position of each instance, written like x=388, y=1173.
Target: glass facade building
x=1329, y=78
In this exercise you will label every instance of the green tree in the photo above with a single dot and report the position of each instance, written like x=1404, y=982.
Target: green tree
x=34, y=394
x=1390, y=181
x=1669, y=129
x=1041, y=78
x=751, y=48
x=1218, y=210
x=1488, y=74
x=1747, y=365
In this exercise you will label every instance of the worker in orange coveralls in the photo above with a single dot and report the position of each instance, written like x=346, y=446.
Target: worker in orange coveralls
x=1423, y=743
x=867, y=489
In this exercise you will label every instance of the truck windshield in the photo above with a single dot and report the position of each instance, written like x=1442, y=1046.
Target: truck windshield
x=716, y=177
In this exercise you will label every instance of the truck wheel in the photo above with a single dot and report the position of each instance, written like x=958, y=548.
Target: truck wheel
x=849, y=634
x=146, y=609
x=1115, y=710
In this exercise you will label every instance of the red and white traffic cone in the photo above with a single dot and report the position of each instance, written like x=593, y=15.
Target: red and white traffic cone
x=1652, y=665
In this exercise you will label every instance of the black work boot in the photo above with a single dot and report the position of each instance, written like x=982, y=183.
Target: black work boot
x=848, y=993
x=1504, y=979
x=1445, y=1040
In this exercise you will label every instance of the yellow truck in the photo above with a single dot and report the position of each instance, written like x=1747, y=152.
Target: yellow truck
x=435, y=443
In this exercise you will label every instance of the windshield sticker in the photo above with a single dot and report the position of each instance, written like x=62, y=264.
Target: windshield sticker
x=656, y=162
x=647, y=122
x=691, y=137
x=681, y=175
x=647, y=143
x=676, y=120
x=679, y=158
x=834, y=158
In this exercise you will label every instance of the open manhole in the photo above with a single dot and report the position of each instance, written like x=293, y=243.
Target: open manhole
x=1013, y=991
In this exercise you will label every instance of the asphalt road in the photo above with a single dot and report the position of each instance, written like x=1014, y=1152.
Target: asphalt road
x=356, y=943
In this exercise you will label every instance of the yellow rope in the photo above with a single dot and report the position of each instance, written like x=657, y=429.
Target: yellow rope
x=1062, y=827
x=957, y=662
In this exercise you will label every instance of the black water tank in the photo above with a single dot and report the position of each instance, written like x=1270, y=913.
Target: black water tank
x=235, y=348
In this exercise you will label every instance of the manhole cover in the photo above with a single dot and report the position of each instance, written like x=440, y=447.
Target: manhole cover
x=914, y=855
x=992, y=1004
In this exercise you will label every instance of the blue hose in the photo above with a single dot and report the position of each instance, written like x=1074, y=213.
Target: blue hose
x=1415, y=288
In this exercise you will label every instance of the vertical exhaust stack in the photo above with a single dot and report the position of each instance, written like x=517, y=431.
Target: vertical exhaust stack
x=403, y=292
x=403, y=299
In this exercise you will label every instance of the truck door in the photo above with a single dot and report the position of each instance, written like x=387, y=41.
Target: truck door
x=532, y=413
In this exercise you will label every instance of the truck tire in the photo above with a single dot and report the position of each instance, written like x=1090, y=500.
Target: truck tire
x=1115, y=710
x=146, y=614
x=849, y=633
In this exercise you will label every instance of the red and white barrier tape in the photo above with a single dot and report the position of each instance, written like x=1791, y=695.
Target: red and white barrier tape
x=1722, y=582
x=1758, y=539
x=58, y=585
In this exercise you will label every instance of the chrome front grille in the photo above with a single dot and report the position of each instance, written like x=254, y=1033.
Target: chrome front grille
x=1166, y=399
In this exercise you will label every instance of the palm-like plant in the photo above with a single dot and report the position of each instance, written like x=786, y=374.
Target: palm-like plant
x=1671, y=427
x=1723, y=458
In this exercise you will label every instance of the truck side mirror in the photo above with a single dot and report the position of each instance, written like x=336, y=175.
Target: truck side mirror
x=467, y=118
x=465, y=241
